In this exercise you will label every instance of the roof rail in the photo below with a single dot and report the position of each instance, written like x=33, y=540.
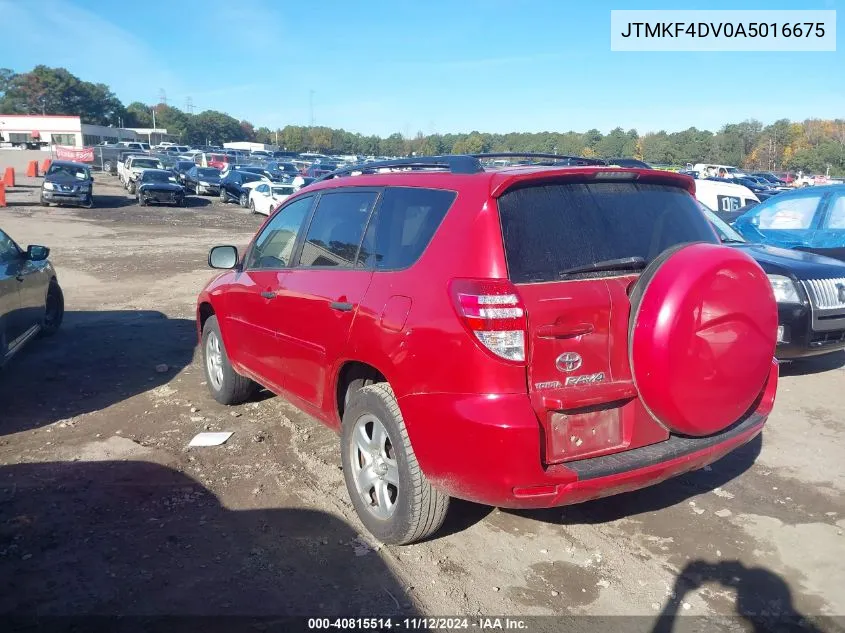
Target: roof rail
x=456, y=164
x=549, y=159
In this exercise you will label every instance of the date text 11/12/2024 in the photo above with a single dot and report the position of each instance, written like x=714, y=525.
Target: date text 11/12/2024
x=418, y=624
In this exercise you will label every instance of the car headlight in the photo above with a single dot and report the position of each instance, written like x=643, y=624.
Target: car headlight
x=204, y=184
x=784, y=289
x=49, y=186
x=84, y=187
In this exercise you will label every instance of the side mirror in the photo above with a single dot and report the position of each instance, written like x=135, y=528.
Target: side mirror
x=35, y=253
x=224, y=257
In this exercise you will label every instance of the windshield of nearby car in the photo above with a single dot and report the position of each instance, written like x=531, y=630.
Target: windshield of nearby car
x=145, y=146
x=249, y=176
x=81, y=173
x=208, y=172
x=146, y=163
x=282, y=191
x=184, y=165
x=724, y=230
x=158, y=176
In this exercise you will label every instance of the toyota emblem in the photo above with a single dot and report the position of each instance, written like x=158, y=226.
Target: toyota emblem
x=568, y=361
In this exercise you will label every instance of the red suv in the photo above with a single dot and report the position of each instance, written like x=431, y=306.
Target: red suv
x=524, y=337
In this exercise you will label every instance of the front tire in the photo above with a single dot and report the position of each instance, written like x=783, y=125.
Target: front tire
x=243, y=200
x=54, y=311
x=223, y=196
x=389, y=491
x=252, y=207
x=131, y=187
x=225, y=384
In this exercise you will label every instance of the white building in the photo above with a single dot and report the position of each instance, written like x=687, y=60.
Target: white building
x=34, y=131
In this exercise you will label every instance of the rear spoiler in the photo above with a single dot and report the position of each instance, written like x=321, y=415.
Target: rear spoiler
x=502, y=182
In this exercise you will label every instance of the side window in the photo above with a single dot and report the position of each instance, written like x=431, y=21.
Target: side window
x=274, y=246
x=336, y=229
x=262, y=188
x=8, y=249
x=836, y=215
x=403, y=226
x=792, y=213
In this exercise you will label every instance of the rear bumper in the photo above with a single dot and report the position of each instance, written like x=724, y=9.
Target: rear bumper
x=487, y=449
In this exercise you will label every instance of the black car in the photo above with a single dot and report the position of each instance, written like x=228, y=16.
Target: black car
x=232, y=186
x=281, y=170
x=770, y=178
x=810, y=292
x=67, y=182
x=202, y=180
x=31, y=300
x=160, y=186
x=180, y=168
x=628, y=162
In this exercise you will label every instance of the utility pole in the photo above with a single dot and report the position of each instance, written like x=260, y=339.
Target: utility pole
x=311, y=106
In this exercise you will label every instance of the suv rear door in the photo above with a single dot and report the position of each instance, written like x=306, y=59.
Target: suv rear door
x=578, y=321
x=318, y=299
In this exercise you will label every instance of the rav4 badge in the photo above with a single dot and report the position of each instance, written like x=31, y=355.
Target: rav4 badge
x=585, y=379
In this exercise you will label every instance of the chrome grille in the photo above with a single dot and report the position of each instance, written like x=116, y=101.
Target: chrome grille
x=826, y=294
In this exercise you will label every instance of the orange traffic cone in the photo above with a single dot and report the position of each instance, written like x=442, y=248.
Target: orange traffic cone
x=32, y=169
x=2, y=194
x=9, y=177
x=46, y=165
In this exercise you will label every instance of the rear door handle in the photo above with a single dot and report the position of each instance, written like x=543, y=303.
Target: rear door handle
x=19, y=277
x=268, y=294
x=341, y=306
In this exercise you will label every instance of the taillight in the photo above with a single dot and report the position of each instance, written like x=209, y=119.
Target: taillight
x=493, y=311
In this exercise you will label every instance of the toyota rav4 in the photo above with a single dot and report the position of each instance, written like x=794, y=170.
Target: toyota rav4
x=524, y=336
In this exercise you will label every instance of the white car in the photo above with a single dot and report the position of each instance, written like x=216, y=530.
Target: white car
x=266, y=196
x=723, y=196
x=709, y=169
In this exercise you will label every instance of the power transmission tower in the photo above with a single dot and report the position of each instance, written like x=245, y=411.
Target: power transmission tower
x=189, y=105
x=162, y=96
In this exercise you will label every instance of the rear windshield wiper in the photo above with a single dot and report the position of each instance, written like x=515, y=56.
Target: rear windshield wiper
x=623, y=263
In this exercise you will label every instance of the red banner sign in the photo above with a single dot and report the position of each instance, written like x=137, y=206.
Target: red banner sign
x=85, y=155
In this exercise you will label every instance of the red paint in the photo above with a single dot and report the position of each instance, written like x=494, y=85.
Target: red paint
x=480, y=425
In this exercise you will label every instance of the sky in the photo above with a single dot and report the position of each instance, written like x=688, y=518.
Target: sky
x=435, y=66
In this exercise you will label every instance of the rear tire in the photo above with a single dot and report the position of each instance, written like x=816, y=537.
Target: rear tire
x=225, y=384
x=131, y=187
x=389, y=491
x=252, y=207
x=223, y=196
x=243, y=200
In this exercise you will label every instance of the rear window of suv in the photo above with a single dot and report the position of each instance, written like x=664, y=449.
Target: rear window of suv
x=550, y=228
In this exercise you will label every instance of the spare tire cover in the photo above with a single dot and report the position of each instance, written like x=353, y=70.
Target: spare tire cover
x=702, y=337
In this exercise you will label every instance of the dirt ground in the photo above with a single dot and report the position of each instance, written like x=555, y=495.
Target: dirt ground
x=104, y=509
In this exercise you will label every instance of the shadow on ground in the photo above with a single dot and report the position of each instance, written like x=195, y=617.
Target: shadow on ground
x=763, y=600
x=813, y=364
x=97, y=359
x=137, y=538
x=669, y=493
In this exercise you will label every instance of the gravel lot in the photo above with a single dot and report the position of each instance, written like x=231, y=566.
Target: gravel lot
x=104, y=510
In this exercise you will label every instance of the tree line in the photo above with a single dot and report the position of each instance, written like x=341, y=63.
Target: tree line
x=812, y=145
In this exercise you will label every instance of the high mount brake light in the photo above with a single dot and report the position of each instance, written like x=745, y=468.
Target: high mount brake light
x=493, y=311
x=616, y=175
